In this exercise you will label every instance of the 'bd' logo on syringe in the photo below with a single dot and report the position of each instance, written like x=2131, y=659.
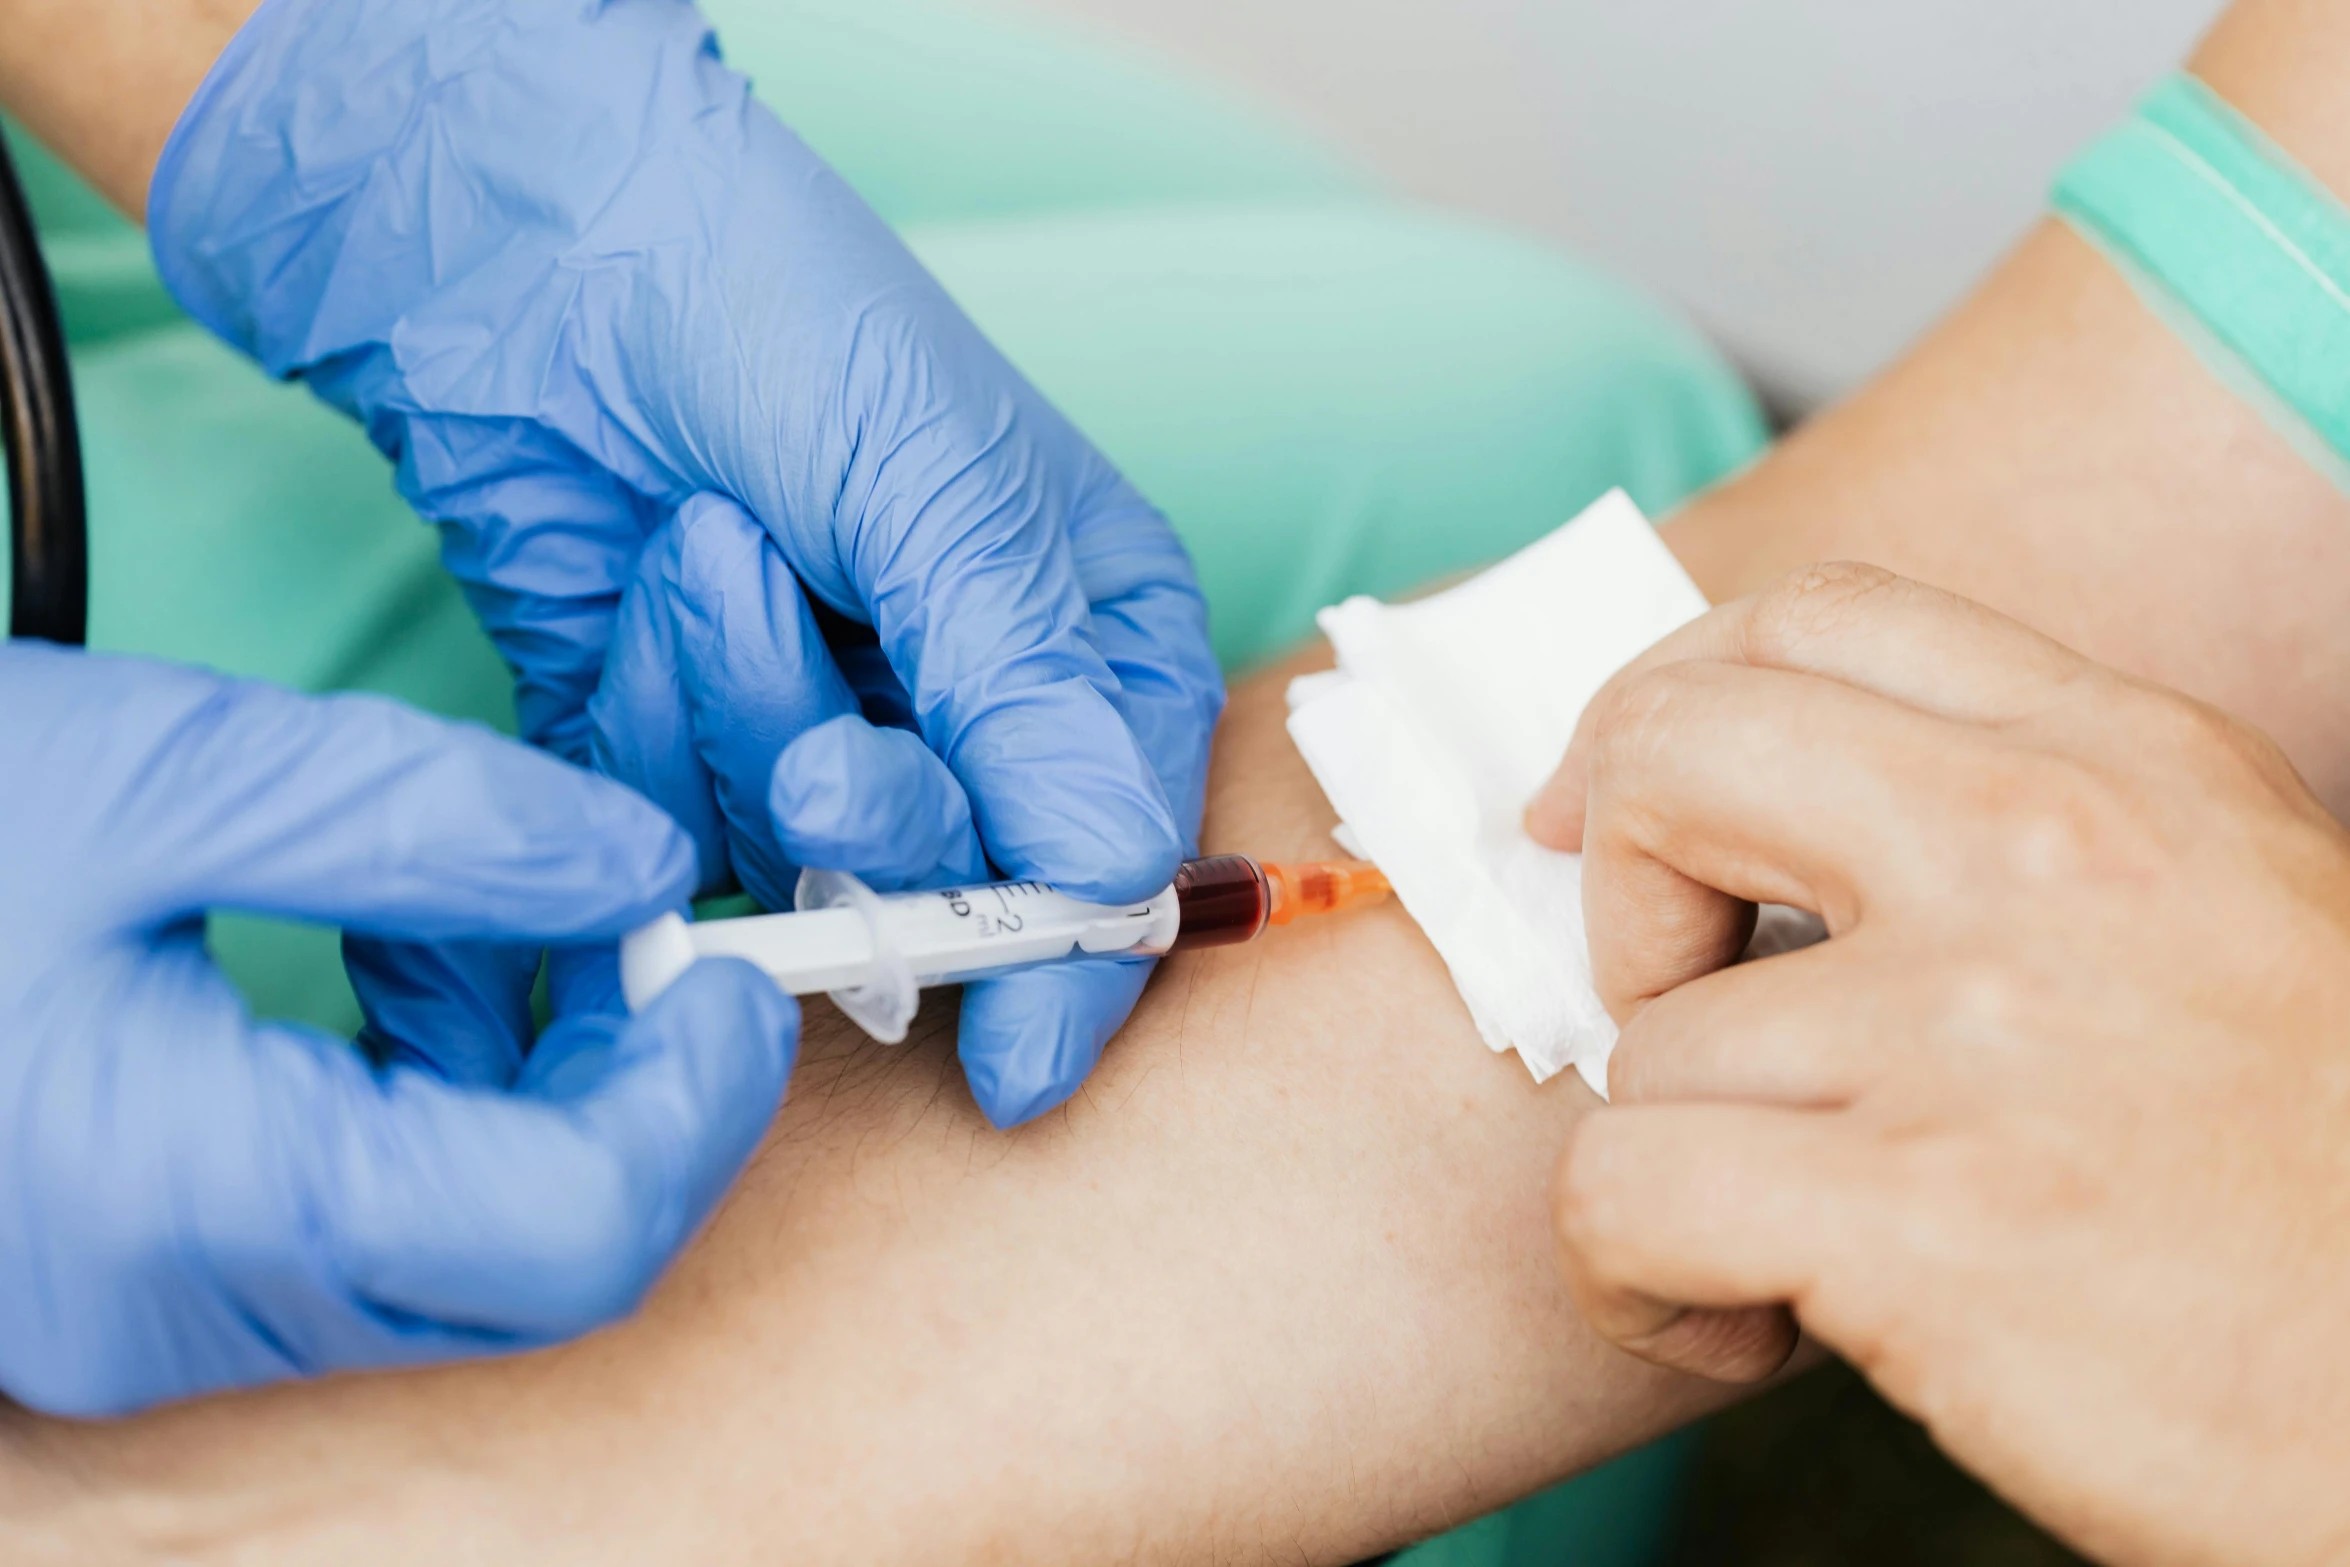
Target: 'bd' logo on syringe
x=1003, y=922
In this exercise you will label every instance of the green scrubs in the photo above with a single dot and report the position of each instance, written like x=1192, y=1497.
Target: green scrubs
x=1329, y=393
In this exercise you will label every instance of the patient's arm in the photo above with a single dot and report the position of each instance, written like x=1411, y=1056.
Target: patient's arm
x=1278, y=1286
x=103, y=81
x=2054, y=451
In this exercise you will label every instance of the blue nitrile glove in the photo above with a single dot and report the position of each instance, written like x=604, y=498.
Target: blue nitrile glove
x=570, y=275
x=190, y=1199
x=717, y=617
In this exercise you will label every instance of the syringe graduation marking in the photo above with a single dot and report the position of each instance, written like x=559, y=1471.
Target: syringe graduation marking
x=1005, y=921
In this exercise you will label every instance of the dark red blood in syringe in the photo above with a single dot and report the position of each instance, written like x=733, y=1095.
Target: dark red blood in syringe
x=1223, y=900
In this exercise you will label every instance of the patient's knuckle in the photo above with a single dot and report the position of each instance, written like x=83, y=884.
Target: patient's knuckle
x=2170, y=745
x=1586, y=1198
x=1809, y=603
x=1983, y=1010
x=1974, y=992
x=1632, y=1075
x=1637, y=714
x=1671, y=1047
x=1632, y=704
x=1971, y=1191
x=1936, y=1176
x=2056, y=820
x=2173, y=724
x=2177, y=736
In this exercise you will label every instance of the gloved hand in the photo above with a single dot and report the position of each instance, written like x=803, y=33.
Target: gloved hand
x=196, y=1200
x=570, y=275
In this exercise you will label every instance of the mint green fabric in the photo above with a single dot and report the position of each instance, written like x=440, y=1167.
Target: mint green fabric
x=938, y=111
x=2194, y=200
x=1345, y=400
x=934, y=111
x=1618, y=1515
x=1329, y=393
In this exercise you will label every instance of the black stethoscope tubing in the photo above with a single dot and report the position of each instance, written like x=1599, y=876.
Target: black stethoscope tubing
x=49, y=579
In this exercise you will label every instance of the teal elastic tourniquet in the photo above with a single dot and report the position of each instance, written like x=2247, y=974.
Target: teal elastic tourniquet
x=2210, y=217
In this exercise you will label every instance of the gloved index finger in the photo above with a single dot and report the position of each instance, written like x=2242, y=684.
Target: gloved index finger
x=1150, y=621
x=963, y=553
x=718, y=668
x=357, y=811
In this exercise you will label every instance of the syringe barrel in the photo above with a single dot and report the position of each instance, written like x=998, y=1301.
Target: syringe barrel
x=919, y=939
x=873, y=953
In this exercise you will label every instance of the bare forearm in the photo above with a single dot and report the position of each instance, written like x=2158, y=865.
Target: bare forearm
x=1279, y=1286
x=2054, y=451
x=102, y=82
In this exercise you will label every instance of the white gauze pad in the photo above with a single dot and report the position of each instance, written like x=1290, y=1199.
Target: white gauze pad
x=1440, y=722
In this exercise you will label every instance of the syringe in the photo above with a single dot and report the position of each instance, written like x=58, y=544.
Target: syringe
x=873, y=953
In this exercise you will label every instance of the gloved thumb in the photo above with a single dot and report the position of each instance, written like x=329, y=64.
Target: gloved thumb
x=852, y=796
x=1028, y=1040
x=532, y=1216
x=717, y=664
x=254, y=1203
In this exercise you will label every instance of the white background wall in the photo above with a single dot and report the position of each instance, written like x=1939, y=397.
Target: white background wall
x=1813, y=179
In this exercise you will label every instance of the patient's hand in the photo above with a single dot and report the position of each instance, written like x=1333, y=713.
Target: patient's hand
x=1277, y=1285
x=2052, y=1137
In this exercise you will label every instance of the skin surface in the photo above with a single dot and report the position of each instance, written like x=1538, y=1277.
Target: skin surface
x=102, y=82
x=1278, y=1286
x=2048, y=1137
